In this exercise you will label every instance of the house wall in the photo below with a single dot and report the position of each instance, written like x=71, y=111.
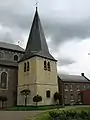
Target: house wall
x=70, y=92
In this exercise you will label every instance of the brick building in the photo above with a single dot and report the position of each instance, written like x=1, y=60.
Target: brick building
x=70, y=87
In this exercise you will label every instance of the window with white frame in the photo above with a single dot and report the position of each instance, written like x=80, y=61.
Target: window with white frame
x=72, y=97
x=71, y=87
x=84, y=87
x=66, y=87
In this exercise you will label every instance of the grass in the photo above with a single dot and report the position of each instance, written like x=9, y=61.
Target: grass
x=45, y=115
x=79, y=109
x=30, y=108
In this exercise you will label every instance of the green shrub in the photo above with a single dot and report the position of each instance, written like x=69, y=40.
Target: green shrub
x=54, y=114
x=25, y=93
x=69, y=115
x=37, y=99
x=3, y=99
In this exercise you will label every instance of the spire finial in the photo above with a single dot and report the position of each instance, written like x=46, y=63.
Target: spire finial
x=36, y=4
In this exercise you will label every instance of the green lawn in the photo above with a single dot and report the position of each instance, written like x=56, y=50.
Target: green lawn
x=31, y=108
x=42, y=116
x=45, y=116
x=87, y=109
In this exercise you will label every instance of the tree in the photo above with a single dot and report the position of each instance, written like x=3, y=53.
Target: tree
x=56, y=97
x=37, y=99
x=3, y=99
x=25, y=93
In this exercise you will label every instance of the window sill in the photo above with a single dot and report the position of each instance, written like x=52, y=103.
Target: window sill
x=71, y=100
x=3, y=88
x=65, y=89
x=71, y=90
x=78, y=89
x=45, y=69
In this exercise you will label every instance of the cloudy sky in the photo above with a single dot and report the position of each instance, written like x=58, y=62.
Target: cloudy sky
x=66, y=25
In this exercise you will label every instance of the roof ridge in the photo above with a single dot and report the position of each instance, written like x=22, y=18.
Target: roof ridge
x=11, y=46
x=7, y=43
x=69, y=74
x=73, y=78
x=10, y=43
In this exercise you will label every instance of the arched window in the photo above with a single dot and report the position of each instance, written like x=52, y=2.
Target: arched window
x=48, y=66
x=24, y=67
x=1, y=55
x=45, y=65
x=27, y=66
x=4, y=80
x=15, y=57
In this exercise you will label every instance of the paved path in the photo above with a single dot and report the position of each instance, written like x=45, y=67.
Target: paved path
x=17, y=115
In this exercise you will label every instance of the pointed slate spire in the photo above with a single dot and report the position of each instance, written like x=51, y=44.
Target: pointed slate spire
x=36, y=45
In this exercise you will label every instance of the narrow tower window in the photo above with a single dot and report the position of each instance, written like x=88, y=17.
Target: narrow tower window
x=27, y=66
x=48, y=93
x=48, y=66
x=45, y=65
x=24, y=67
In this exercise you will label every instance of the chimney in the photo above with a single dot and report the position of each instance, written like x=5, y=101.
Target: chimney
x=82, y=74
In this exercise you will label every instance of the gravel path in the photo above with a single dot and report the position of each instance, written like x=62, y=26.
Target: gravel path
x=17, y=115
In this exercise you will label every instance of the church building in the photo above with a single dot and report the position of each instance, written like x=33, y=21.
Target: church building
x=35, y=69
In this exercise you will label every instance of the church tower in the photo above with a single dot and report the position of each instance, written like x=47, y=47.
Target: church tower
x=37, y=69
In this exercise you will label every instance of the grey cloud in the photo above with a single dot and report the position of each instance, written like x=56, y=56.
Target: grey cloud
x=63, y=72
x=65, y=61
x=7, y=37
x=61, y=32
x=11, y=35
x=14, y=20
x=60, y=29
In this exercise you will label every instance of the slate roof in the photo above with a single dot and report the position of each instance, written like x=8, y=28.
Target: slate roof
x=36, y=45
x=8, y=63
x=72, y=78
x=11, y=47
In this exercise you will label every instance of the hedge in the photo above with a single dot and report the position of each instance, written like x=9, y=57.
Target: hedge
x=69, y=115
